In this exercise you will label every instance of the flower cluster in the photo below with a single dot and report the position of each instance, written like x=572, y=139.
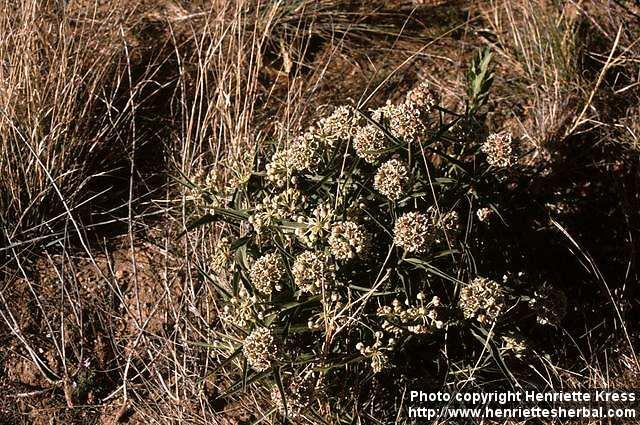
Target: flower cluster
x=500, y=150
x=422, y=319
x=274, y=208
x=421, y=97
x=238, y=311
x=317, y=226
x=304, y=152
x=313, y=272
x=413, y=232
x=391, y=179
x=370, y=143
x=260, y=349
x=448, y=225
x=338, y=127
x=482, y=299
x=267, y=273
x=376, y=352
x=484, y=214
x=514, y=345
x=279, y=170
x=404, y=121
x=347, y=240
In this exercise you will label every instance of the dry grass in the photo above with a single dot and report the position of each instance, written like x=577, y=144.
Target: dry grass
x=62, y=118
x=113, y=115
x=569, y=64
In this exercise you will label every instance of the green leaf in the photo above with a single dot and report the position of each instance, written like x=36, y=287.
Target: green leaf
x=202, y=221
x=231, y=214
x=225, y=214
x=245, y=373
x=443, y=253
x=225, y=294
x=432, y=269
x=183, y=179
x=479, y=81
x=294, y=304
x=243, y=382
x=278, y=378
x=483, y=336
x=353, y=359
x=240, y=242
x=375, y=294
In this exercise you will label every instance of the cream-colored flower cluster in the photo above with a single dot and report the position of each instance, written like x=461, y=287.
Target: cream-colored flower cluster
x=449, y=221
x=267, y=272
x=376, y=353
x=414, y=232
x=421, y=97
x=316, y=227
x=305, y=152
x=279, y=169
x=313, y=272
x=260, y=349
x=404, y=121
x=422, y=319
x=499, y=149
x=484, y=214
x=274, y=208
x=448, y=226
x=370, y=143
x=391, y=179
x=238, y=311
x=514, y=345
x=348, y=240
x=340, y=126
x=482, y=299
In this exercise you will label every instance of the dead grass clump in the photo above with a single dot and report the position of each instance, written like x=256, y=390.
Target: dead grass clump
x=575, y=67
x=67, y=108
x=537, y=42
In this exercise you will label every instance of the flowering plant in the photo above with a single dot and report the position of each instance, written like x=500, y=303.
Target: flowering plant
x=351, y=242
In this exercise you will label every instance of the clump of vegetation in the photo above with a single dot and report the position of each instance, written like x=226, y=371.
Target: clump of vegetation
x=355, y=241
x=64, y=132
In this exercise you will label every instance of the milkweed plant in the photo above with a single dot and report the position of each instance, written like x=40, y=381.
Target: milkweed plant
x=353, y=239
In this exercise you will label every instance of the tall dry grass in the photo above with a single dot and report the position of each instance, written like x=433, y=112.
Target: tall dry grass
x=570, y=64
x=66, y=111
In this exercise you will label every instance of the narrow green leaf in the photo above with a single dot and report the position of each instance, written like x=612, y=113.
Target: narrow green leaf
x=432, y=269
x=278, y=378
